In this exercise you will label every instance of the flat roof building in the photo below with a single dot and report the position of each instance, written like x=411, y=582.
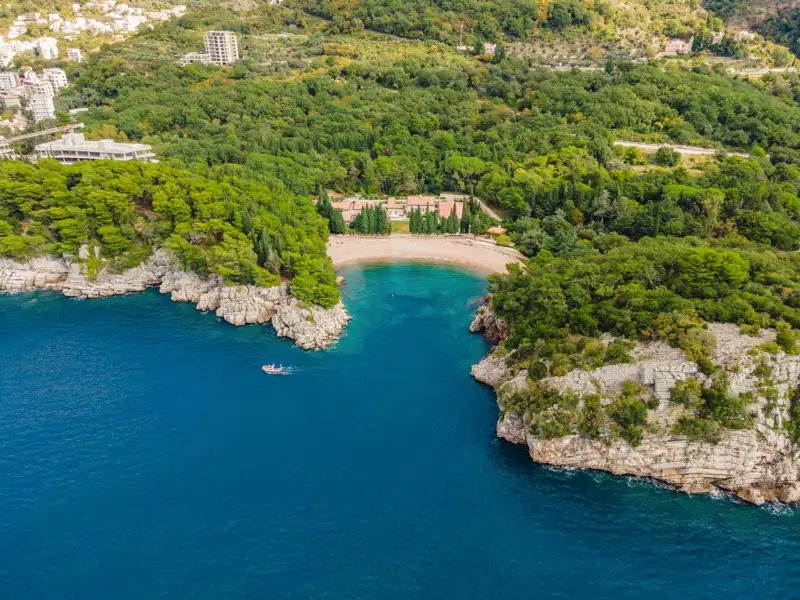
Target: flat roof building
x=8, y=80
x=222, y=47
x=73, y=147
x=42, y=107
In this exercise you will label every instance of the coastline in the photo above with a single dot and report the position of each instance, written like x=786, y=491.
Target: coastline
x=758, y=464
x=311, y=327
x=475, y=255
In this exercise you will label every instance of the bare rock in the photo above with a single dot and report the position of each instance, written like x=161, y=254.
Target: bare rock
x=491, y=370
x=485, y=321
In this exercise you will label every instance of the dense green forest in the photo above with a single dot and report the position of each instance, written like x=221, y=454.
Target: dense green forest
x=246, y=233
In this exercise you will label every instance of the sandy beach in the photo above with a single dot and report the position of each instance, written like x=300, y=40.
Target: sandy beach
x=481, y=256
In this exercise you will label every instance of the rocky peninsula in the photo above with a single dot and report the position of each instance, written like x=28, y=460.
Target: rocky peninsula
x=759, y=462
x=311, y=327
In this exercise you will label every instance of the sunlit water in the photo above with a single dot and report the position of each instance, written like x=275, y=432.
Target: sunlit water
x=144, y=455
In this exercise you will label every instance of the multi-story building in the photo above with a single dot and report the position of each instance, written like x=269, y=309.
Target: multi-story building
x=222, y=47
x=42, y=107
x=8, y=80
x=73, y=147
x=33, y=86
x=57, y=79
x=47, y=47
x=74, y=54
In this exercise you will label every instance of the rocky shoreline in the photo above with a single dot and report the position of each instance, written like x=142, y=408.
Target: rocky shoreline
x=311, y=327
x=759, y=464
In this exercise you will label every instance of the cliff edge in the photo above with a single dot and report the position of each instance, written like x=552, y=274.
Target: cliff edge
x=311, y=327
x=735, y=428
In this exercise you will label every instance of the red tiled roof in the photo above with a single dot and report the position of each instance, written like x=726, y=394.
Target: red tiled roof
x=422, y=201
x=342, y=205
x=446, y=207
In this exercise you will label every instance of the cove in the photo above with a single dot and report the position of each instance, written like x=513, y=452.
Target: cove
x=144, y=455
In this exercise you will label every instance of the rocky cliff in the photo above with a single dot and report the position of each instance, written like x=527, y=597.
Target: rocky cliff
x=758, y=463
x=311, y=327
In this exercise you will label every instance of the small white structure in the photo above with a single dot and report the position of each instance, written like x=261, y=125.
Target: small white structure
x=490, y=48
x=57, y=79
x=222, y=47
x=73, y=147
x=194, y=57
x=42, y=107
x=8, y=80
x=74, y=54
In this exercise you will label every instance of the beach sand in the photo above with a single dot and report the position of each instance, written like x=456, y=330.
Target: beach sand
x=481, y=256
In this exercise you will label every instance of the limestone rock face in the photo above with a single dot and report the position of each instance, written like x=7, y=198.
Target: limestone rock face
x=36, y=274
x=312, y=327
x=758, y=465
x=491, y=370
x=485, y=321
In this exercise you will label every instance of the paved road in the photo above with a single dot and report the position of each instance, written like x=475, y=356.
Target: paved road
x=687, y=150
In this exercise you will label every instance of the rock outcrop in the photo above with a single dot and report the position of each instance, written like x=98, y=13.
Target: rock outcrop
x=759, y=464
x=311, y=327
x=493, y=328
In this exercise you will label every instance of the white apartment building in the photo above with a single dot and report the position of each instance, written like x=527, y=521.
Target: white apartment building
x=74, y=54
x=47, y=47
x=73, y=147
x=57, y=79
x=222, y=47
x=33, y=86
x=42, y=107
x=8, y=80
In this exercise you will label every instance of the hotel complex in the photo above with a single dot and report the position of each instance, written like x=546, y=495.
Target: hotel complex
x=74, y=147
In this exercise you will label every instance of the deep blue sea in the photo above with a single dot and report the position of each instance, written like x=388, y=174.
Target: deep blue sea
x=144, y=455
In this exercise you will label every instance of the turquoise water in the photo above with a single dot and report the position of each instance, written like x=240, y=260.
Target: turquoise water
x=144, y=455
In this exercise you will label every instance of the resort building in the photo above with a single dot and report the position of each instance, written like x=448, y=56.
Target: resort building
x=394, y=210
x=424, y=203
x=8, y=81
x=42, y=107
x=73, y=147
x=222, y=47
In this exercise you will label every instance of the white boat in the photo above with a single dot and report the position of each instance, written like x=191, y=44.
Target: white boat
x=273, y=370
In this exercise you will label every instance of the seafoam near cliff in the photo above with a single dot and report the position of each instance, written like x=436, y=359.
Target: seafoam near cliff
x=759, y=464
x=311, y=327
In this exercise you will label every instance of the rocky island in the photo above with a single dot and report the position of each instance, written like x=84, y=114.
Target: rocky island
x=311, y=327
x=578, y=419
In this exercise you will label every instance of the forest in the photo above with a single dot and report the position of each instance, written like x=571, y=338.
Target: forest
x=246, y=233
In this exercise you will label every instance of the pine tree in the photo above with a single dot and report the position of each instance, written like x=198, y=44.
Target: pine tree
x=465, y=216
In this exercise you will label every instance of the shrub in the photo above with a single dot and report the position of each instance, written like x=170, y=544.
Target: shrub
x=697, y=429
x=630, y=414
x=667, y=157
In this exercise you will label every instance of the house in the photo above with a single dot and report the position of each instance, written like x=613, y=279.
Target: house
x=490, y=48
x=343, y=206
x=446, y=209
x=677, y=46
x=496, y=230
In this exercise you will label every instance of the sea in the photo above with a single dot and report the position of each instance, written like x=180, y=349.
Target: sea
x=144, y=455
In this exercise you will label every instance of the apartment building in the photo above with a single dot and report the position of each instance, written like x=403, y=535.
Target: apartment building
x=8, y=80
x=41, y=107
x=74, y=54
x=57, y=79
x=222, y=47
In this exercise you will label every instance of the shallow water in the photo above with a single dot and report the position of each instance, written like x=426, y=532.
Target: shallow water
x=144, y=455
